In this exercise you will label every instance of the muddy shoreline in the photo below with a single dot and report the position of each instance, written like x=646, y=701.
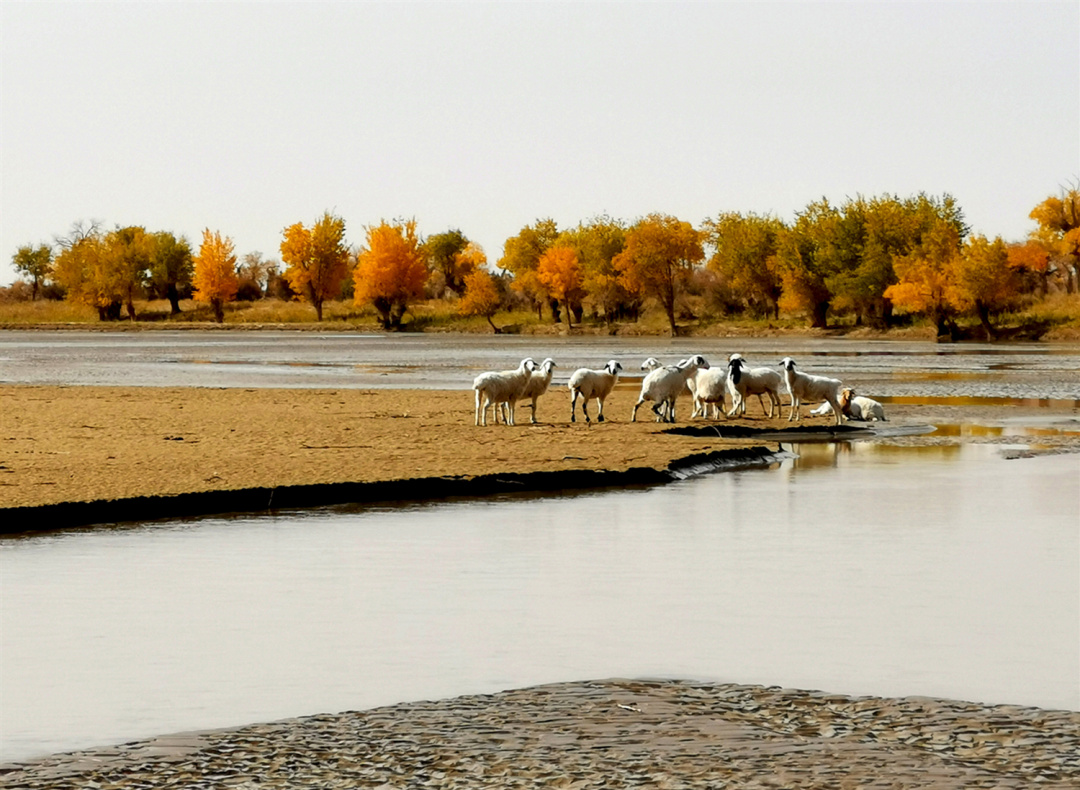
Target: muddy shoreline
x=613, y=733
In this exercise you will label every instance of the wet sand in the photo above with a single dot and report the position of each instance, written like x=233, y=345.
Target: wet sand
x=615, y=733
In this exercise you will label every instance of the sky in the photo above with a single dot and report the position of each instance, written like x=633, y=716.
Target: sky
x=247, y=117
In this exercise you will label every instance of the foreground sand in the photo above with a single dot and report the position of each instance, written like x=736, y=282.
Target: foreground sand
x=617, y=733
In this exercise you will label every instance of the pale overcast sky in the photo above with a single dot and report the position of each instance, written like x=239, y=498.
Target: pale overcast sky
x=246, y=117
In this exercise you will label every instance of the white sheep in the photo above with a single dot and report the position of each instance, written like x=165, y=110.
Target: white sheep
x=806, y=387
x=591, y=384
x=859, y=407
x=708, y=386
x=664, y=385
x=652, y=363
x=501, y=387
x=743, y=380
x=538, y=384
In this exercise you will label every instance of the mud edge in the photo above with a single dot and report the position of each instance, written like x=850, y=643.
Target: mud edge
x=66, y=515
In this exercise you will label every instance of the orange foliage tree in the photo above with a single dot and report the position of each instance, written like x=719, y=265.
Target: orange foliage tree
x=390, y=271
x=317, y=260
x=596, y=243
x=215, y=277
x=660, y=254
x=925, y=277
x=1059, y=231
x=521, y=256
x=1031, y=260
x=560, y=272
x=481, y=296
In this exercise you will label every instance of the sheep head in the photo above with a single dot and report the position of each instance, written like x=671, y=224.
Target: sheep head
x=847, y=394
x=613, y=367
x=787, y=363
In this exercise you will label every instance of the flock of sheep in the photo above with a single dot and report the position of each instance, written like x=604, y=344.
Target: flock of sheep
x=502, y=390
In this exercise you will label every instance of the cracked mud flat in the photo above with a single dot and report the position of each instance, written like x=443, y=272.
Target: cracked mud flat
x=615, y=733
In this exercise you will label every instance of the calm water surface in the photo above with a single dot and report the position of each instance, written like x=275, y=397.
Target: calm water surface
x=860, y=569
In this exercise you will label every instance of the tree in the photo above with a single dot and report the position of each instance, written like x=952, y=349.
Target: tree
x=1031, y=260
x=215, y=272
x=129, y=250
x=806, y=259
x=560, y=273
x=316, y=259
x=36, y=263
x=926, y=276
x=390, y=271
x=596, y=243
x=481, y=296
x=744, y=255
x=87, y=269
x=983, y=281
x=1059, y=231
x=661, y=252
x=521, y=256
x=171, y=267
x=443, y=251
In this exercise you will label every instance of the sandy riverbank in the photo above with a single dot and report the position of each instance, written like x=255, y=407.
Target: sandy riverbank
x=617, y=733
x=78, y=444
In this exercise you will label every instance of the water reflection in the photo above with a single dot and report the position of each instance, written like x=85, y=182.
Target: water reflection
x=859, y=568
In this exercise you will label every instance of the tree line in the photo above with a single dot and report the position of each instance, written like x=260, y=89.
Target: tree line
x=874, y=258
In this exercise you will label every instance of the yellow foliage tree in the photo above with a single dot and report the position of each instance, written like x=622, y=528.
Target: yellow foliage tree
x=390, y=271
x=1031, y=260
x=660, y=254
x=982, y=279
x=481, y=296
x=521, y=256
x=560, y=273
x=215, y=277
x=317, y=260
x=89, y=271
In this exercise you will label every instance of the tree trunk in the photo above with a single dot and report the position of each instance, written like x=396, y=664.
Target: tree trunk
x=820, y=317
x=219, y=310
x=318, y=309
x=984, y=318
x=130, y=308
x=497, y=330
x=174, y=299
x=670, y=308
x=556, y=317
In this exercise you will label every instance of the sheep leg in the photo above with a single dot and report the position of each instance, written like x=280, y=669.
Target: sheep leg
x=533, y=418
x=793, y=414
x=573, y=405
x=600, y=410
x=585, y=409
x=736, y=400
x=633, y=414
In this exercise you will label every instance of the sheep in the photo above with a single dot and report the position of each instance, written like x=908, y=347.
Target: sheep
x=502, y=387
x=652, y=363
x=743, y=381
x=804, y=386
x=592, y=384
x=708, y=387
x=538, y=384
x=859, y=407
x=664, y=385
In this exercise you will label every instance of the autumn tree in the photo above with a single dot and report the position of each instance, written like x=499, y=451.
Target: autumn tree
x=172, y=267
x=806, y=261
x=316, y=259
x=390, y=270
x=744, y=255
x=129, y=251
x=660, y=254
x=560, y=273
x=481, y=296
x=215, y=272
x=1031, y=261
x=521, y=257
x=1059, y=231
x=982, y=280
x=443, y=252
x=34, y=262
x=926, y=277
x=89, y=271
x=596, y=244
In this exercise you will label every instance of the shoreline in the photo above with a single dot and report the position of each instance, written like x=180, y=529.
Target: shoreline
x=618, y=732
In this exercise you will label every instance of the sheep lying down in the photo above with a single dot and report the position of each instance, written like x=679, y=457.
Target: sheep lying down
x=854, y=407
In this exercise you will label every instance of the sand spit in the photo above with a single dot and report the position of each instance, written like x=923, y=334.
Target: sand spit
x=614, y=733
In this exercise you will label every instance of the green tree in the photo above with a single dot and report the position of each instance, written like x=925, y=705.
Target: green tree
x=34, y=262
x=443, y=251
x=660, y=255
x=171, y=267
